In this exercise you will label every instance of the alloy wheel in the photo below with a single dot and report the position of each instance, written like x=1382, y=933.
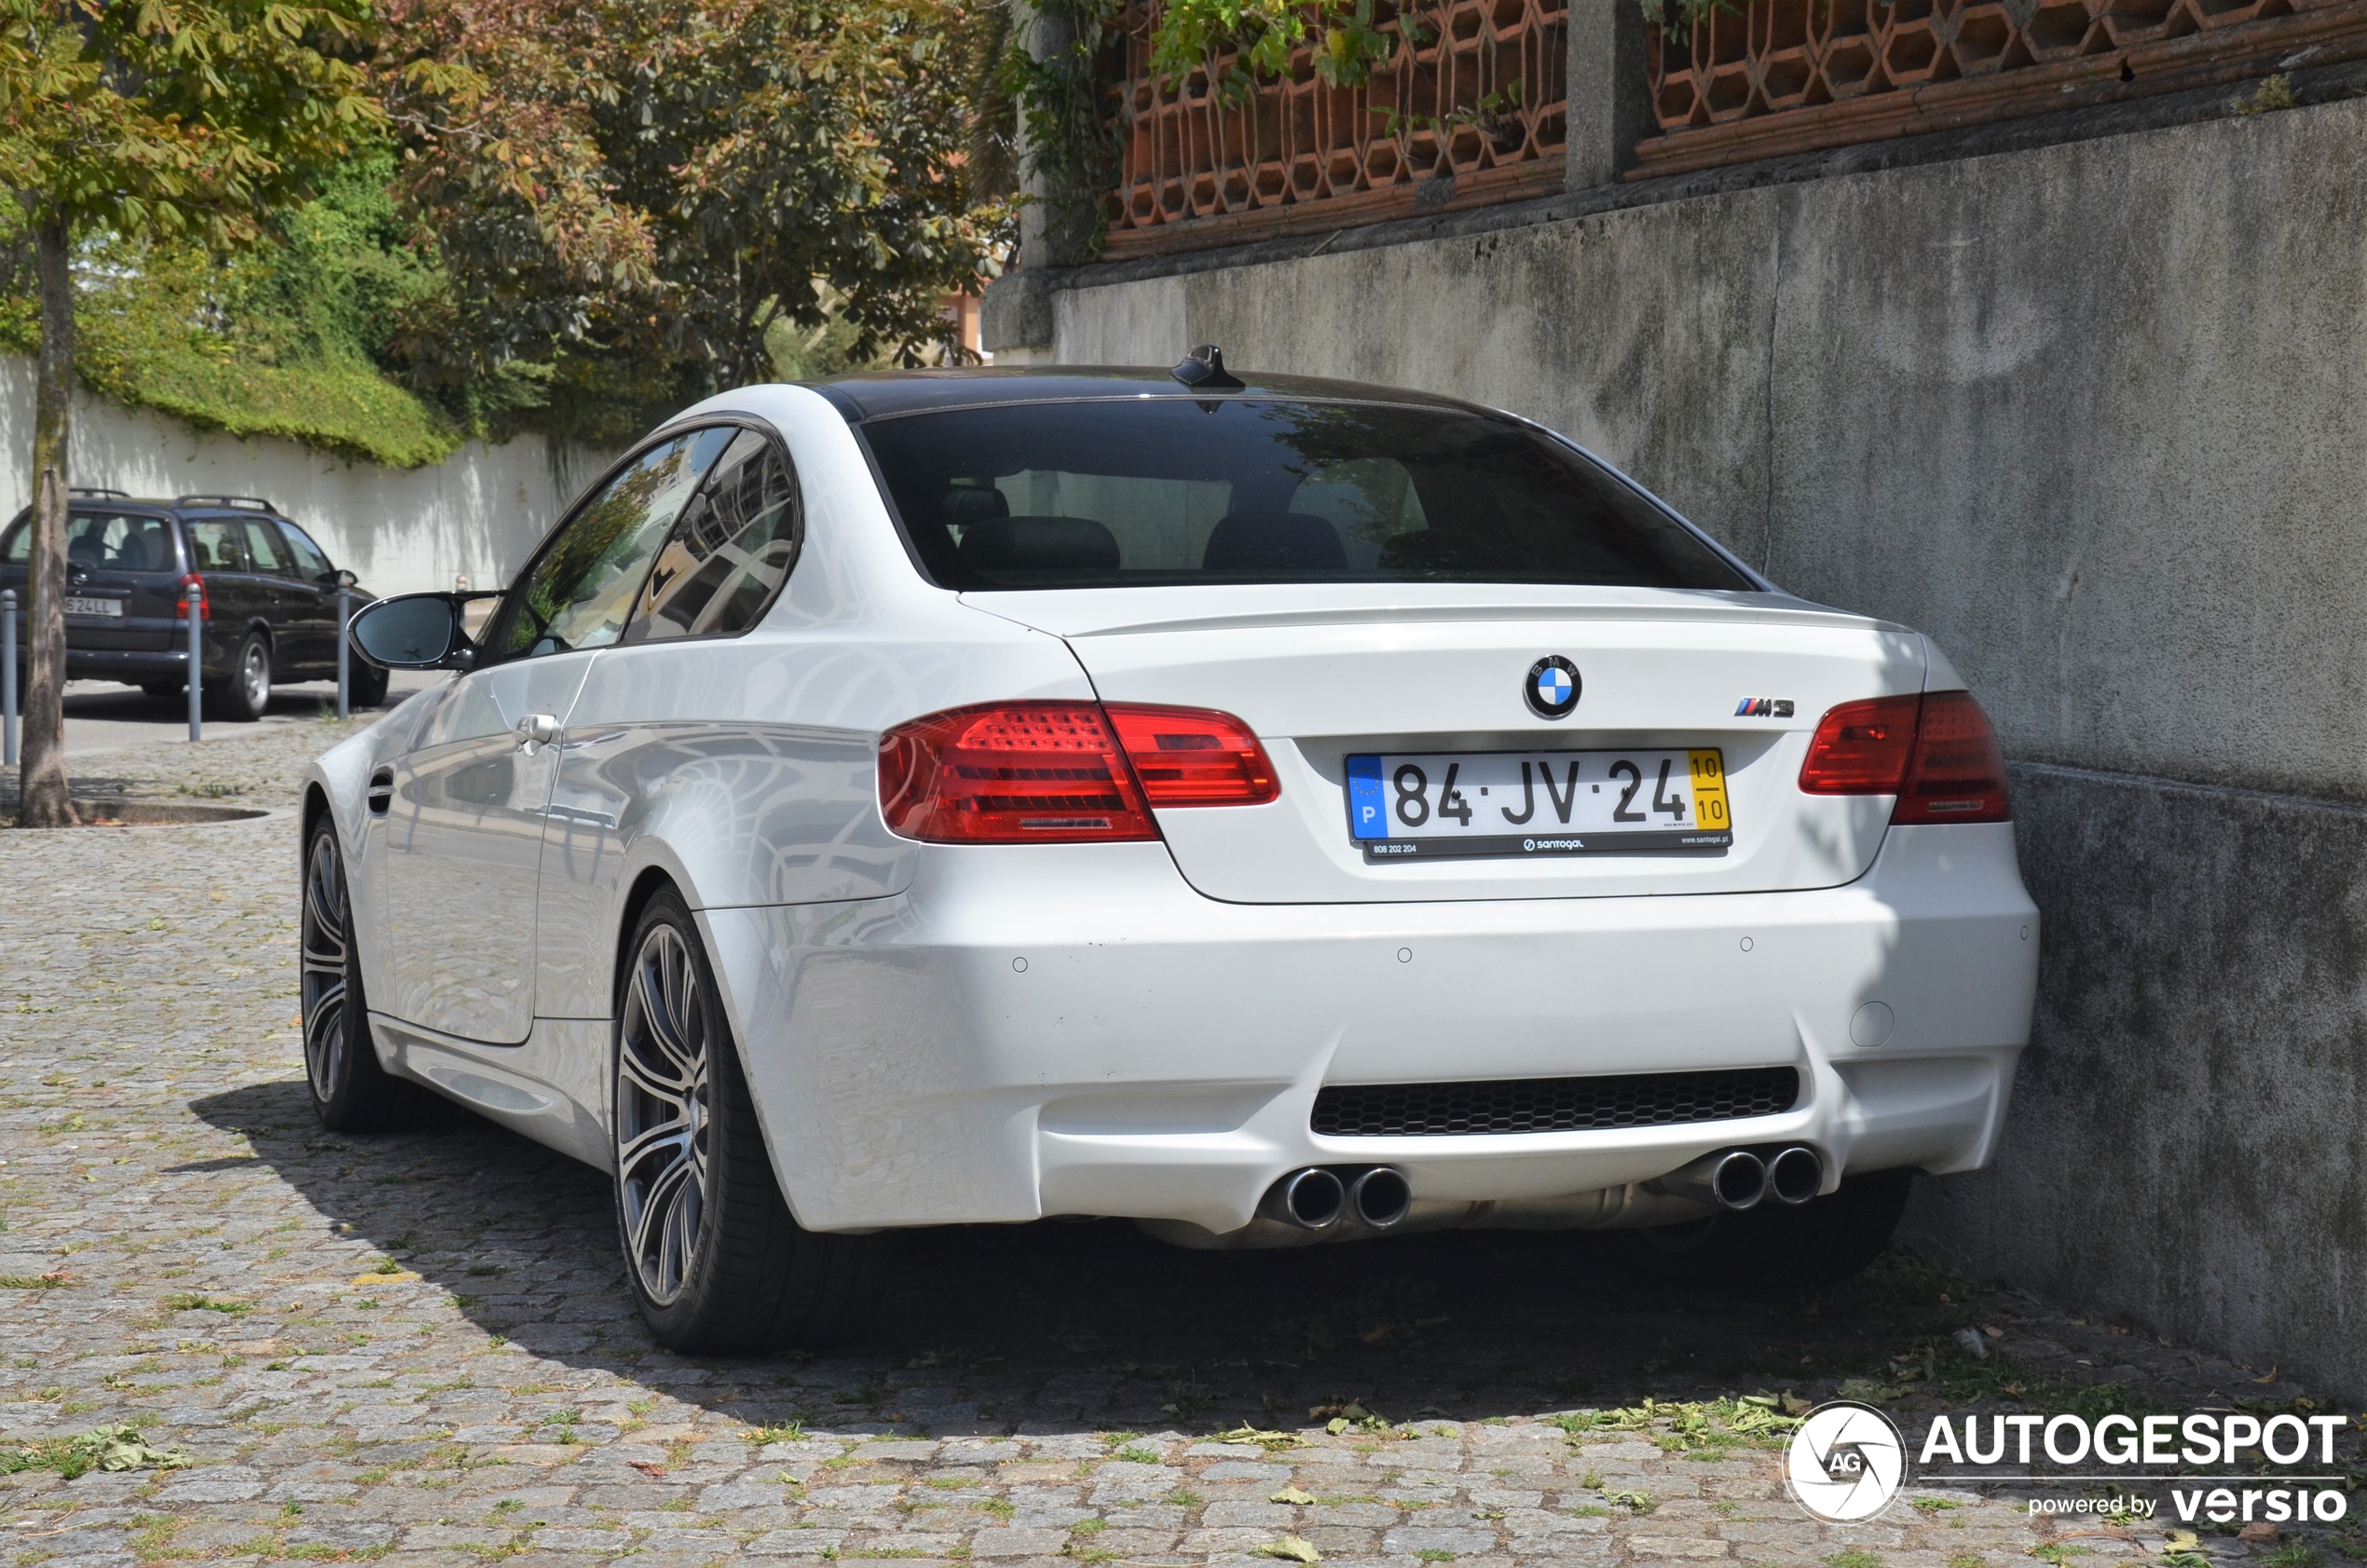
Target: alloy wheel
x=254, y=676
x=326, y=949
x=662, y=1110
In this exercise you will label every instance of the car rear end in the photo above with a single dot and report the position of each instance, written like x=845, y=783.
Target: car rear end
x=1410, y=863
x=123, y=609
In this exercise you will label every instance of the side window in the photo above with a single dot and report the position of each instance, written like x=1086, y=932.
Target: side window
x=581, y=589
x=730, y=551
x=263, y=544
x=19, y=548
x=215, y=546
x=309, y=562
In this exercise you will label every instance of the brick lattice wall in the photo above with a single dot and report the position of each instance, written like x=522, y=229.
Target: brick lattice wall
x=1775, y=76
x=1299, y=156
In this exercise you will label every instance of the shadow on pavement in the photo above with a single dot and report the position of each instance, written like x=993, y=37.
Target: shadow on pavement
x=989, y=1327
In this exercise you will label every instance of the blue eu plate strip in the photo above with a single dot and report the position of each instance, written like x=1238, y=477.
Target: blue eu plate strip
x=1367, y=802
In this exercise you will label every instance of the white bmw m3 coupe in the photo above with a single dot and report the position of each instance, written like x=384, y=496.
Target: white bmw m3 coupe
x=1274, y=811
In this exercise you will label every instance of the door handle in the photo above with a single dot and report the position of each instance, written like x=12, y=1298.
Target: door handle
x=537, y=729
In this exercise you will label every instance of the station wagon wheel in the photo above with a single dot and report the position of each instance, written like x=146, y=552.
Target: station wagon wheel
x=716, y=1261
x=245, y=695
x=351, y=1091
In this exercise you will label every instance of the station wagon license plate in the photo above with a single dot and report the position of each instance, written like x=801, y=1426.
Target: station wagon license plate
x=77, y=605
x=1463, y=805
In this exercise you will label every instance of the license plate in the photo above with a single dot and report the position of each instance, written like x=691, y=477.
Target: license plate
x=1462, y=805
x=75, y=605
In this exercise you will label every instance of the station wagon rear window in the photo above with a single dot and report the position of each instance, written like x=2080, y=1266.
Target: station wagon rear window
x=113, y=542
x=1161, y=491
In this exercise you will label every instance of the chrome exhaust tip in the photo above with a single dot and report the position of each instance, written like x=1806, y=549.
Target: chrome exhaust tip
x=1381, y=1197
x=1312, y=1199
x=1734, y=1179
x=1796, y=1175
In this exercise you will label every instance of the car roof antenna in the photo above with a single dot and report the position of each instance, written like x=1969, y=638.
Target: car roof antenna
x=1203, y=371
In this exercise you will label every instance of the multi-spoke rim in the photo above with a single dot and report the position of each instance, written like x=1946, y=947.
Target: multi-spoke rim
x=662, y=1113
x=257, y=675
x=326, y=949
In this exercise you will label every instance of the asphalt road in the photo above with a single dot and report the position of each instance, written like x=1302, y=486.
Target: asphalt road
x=102, y=715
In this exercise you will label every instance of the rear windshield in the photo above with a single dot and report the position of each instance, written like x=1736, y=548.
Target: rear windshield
x=115, y=542
x=1151, y=492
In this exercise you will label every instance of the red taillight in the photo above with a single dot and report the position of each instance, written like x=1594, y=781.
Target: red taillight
x=1936, y=752
x=1194, y=756
x=1010, y=773
x=190, y=585
x=1862, y=748
x=1028, y=773
x=1958, y=774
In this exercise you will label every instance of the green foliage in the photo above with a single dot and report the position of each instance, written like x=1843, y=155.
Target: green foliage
x=627, y=199
x=1686, y=14
x=107, y=1448
x=174, y=118
x=281, y=337
x=2275, y=93
x=1262, y=35
x=1055, y=89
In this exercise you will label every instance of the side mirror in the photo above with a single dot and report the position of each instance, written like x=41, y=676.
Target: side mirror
x=413, y=632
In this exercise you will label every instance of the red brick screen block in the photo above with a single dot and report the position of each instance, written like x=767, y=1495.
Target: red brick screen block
x=1299, y=156
x=1774, y=76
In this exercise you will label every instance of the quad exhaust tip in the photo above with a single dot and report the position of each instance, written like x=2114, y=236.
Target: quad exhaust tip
x=1381, y=1197
x=1316, y=1198
x=1312, y=1199
x=1740, y=1179
x=1734, y=1179
x=1796, y=1175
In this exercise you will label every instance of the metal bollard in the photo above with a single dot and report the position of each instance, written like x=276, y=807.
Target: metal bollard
x=196, y=664
x=345, y=658
x=8, y=677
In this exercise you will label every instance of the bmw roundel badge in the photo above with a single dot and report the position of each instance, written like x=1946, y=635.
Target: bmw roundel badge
x=1552, y=688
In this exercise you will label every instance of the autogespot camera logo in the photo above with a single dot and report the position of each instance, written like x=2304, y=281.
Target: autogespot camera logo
x=1847, y=1462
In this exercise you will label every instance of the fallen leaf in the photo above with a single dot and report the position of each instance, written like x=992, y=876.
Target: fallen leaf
x=1867, y=1391
x=2257, y=1533
x=1992, y=1331
x=1290, y=1548
x=1262, y=1439
x=1291, y=1495
x=401, y=1276
x=646, y=1467
x=2181, y=1540
x=1792, y=1404
x=2268, y=1376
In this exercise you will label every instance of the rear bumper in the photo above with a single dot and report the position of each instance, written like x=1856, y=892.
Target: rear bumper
x=124, y=664
x=1072, y=1029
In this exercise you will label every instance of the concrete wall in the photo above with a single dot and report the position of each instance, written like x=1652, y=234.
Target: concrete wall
x=2095, y=416
x=476, y=514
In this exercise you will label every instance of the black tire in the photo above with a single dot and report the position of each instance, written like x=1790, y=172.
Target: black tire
x=351, y=1091
x=1777, y=1247
x=242, y=693
x=365, y=686
x=717, y=1263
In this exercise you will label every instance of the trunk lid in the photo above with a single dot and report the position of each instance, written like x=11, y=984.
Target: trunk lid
x=1322, y=672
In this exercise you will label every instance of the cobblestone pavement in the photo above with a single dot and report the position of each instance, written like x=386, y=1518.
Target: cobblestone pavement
x=420, y=1347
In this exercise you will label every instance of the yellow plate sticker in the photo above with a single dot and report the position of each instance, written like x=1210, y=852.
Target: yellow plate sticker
x=1709, y=792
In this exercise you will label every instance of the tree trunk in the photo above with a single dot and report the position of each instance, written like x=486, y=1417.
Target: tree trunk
x=42, y=797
